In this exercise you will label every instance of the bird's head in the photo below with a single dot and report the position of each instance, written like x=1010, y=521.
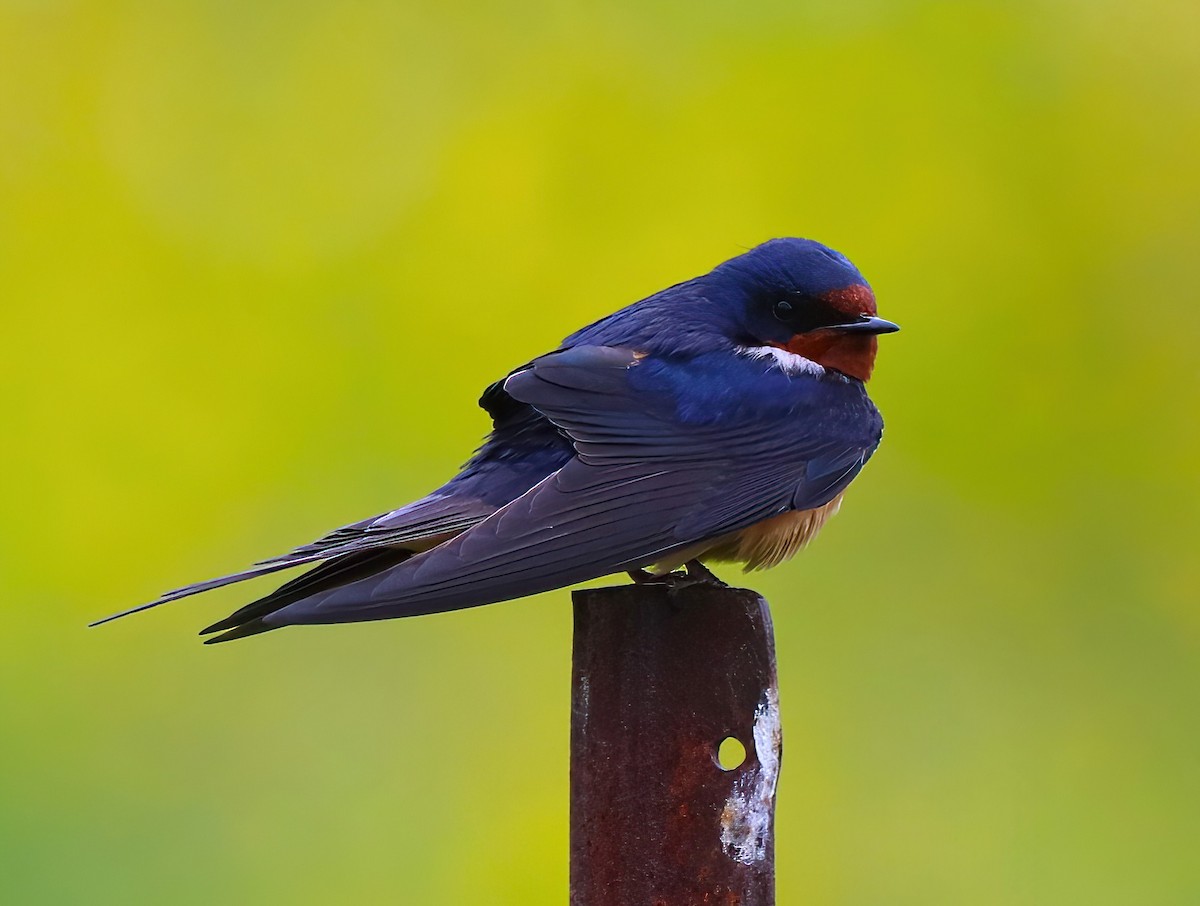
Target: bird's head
x=799, y=297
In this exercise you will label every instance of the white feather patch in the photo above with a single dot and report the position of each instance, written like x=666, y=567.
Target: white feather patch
x=782, y=359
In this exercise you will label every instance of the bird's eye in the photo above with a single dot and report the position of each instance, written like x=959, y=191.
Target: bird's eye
x=783, y=309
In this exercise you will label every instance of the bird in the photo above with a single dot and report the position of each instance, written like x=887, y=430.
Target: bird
x=719, y=420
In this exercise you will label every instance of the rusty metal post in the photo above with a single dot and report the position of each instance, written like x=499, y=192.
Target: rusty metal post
x=661, y=676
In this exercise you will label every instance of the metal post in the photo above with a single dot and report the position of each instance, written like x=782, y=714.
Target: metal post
x=661, y=676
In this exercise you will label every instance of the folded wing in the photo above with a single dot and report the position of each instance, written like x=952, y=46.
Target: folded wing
x=666, y=454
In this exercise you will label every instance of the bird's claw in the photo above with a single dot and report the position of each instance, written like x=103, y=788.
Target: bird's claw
x=645, y=577
x=696, y=573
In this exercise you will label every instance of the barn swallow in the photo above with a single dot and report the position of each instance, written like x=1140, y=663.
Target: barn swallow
x=718, y=420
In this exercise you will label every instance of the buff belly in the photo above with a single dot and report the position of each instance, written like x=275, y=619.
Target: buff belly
x=762, y=545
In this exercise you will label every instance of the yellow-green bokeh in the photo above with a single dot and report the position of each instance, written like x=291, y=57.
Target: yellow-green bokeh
x=258, y=259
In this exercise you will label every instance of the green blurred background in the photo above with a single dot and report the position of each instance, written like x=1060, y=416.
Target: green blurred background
x=257, y=261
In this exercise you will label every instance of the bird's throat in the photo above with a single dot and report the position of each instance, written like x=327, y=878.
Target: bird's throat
x=851, y=354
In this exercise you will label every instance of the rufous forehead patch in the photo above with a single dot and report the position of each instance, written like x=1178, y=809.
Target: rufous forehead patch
x=852, y=300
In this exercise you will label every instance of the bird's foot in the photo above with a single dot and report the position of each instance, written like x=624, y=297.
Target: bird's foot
x=696, y=573
x=645, y=577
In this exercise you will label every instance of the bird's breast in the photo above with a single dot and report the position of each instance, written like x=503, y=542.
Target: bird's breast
x=760, y=546
x=770, y=542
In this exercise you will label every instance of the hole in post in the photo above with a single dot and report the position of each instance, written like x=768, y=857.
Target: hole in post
x=730, y=754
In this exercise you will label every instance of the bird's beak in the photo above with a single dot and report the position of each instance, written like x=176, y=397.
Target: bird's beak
x=866, y=324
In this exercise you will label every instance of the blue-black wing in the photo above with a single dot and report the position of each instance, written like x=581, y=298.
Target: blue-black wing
x=668, y=453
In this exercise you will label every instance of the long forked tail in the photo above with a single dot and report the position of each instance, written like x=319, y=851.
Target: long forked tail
x=350, y=552
x=248, y=619
x=196, y=588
